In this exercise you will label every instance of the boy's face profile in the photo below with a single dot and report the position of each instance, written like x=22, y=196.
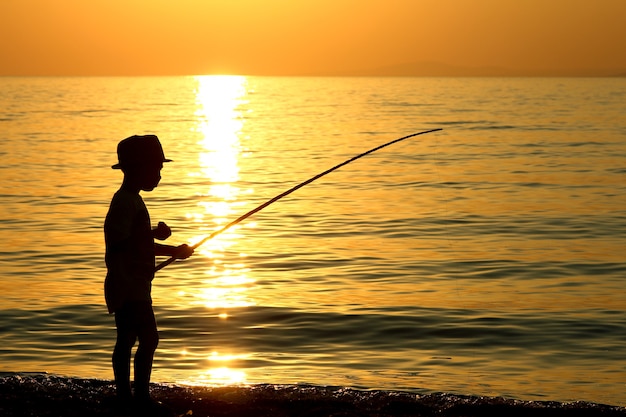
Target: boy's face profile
x=151, y=176
x=145, y=176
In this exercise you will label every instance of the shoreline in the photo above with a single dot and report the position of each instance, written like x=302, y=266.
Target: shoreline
x=44, y=395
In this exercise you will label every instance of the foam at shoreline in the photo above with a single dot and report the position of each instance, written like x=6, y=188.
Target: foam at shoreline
x=29, y=394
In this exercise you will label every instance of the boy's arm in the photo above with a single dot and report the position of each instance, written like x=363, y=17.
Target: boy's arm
x=179, y=252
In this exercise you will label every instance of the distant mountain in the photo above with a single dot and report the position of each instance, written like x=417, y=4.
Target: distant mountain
x=437, y=69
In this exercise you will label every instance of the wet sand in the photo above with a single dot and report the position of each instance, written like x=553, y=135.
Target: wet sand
x=45, y=395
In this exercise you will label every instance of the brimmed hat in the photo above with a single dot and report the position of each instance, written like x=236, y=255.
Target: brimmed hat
x=139, y=149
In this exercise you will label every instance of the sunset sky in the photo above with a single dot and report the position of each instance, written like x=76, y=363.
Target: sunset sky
x=309, y=37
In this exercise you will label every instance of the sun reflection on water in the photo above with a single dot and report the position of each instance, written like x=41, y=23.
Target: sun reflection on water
x=226, y=283
x=220, y=370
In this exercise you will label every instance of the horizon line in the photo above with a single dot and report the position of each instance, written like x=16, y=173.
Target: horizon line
x=326, y=75
x=404, y=69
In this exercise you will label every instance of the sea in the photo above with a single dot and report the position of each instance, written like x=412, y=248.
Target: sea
x=487, y=258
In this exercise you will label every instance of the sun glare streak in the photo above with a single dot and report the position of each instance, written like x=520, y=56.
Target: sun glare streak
x=220, y=369
x=220, y=123
x=219, y=376
x=219, y=97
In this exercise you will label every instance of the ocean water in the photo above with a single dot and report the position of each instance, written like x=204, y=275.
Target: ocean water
x=484, y=259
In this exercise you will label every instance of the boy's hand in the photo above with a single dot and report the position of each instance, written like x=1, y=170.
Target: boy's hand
x=183, y=252
x=162, y=231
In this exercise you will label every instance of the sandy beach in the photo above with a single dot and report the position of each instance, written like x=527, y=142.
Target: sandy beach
x=45, y=395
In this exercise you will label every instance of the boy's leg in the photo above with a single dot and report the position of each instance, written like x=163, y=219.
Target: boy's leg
x=126, y=336
x=148, y=341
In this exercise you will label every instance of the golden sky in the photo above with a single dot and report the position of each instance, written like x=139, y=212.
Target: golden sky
x=307, y=37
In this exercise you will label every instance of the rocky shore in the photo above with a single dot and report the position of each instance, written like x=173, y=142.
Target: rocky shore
x=43, y=395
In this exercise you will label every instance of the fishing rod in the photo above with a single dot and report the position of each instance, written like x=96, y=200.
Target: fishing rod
x=291, y=190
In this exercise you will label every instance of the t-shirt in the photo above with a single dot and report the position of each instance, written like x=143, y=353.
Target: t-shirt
x=129, y=251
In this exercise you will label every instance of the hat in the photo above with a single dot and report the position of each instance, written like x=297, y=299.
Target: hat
x=138, y=149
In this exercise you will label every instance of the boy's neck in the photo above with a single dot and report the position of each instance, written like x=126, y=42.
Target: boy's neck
x=129, y=185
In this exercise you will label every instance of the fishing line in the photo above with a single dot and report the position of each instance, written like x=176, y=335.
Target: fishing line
x=291, y=190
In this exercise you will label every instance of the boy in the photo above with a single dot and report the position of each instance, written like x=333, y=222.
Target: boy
x=130, y=260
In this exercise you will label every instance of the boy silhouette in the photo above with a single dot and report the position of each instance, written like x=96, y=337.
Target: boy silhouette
x=130, y=260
